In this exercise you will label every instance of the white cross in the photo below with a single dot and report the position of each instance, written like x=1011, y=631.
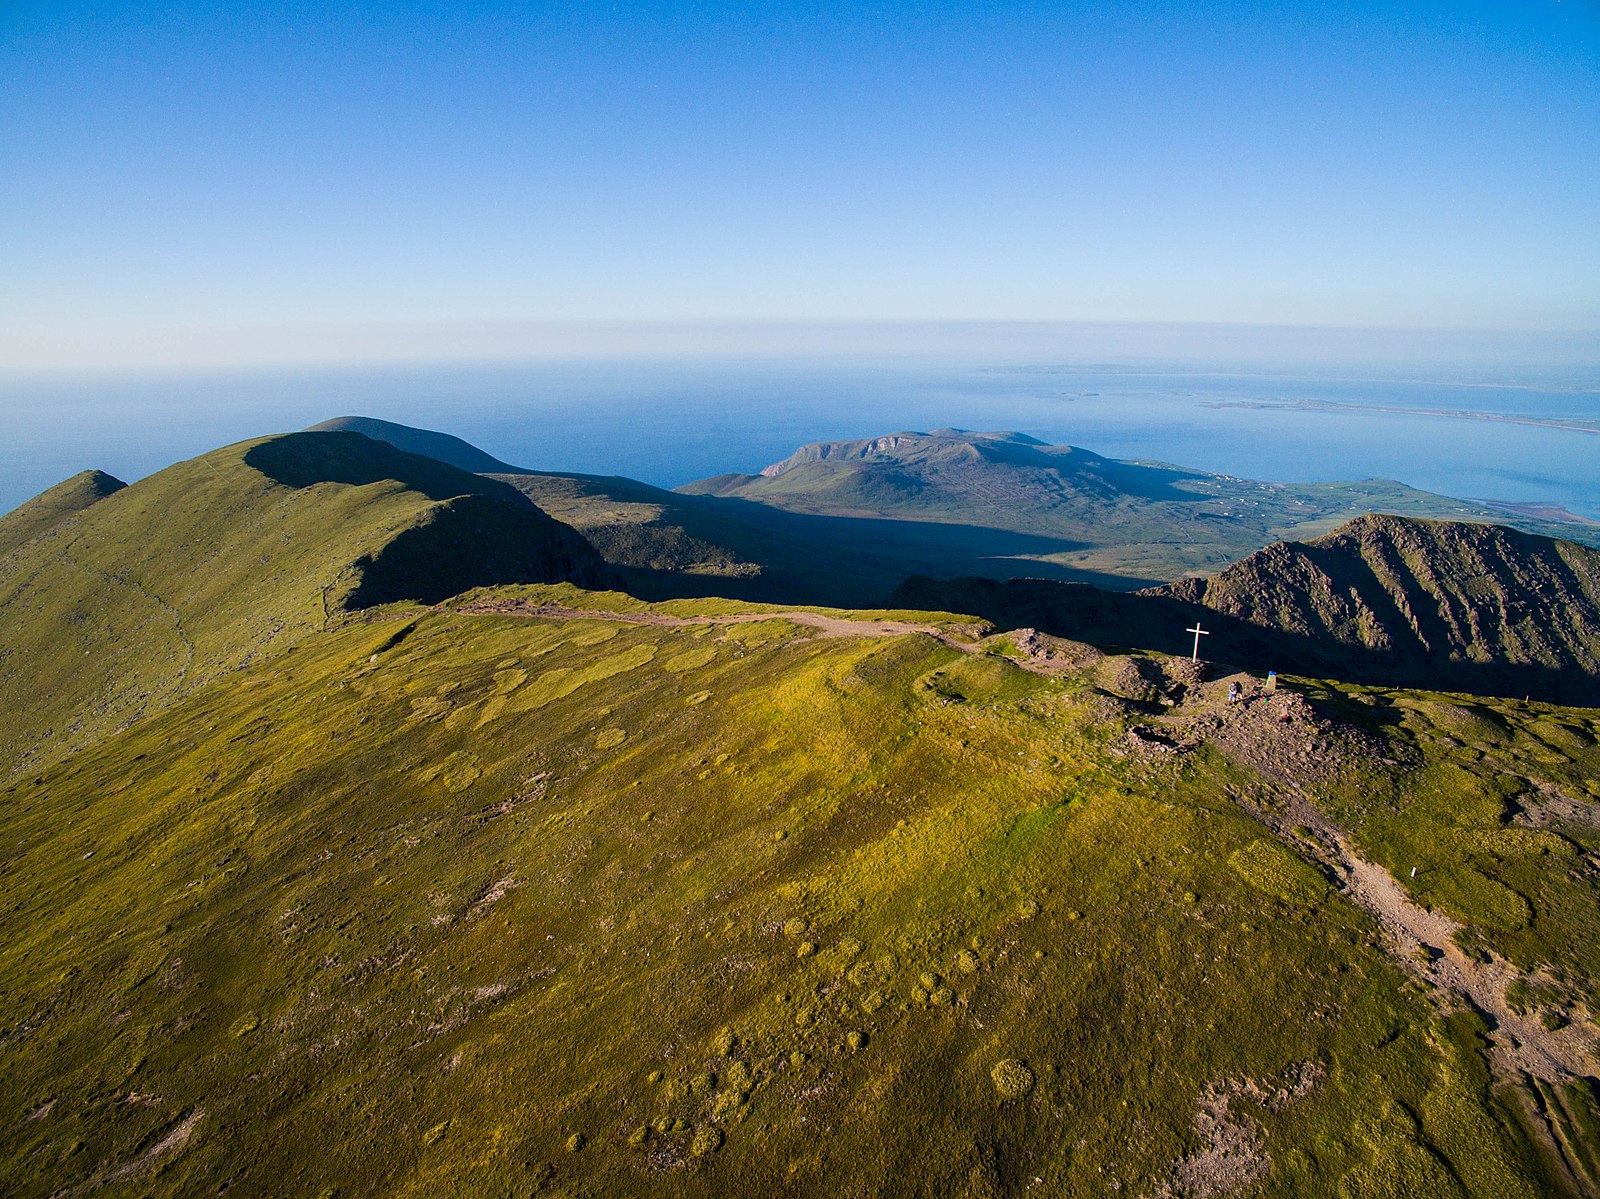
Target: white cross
x=1198, y=633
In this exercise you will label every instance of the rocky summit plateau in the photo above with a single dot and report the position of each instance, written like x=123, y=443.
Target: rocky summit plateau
x=380, y=818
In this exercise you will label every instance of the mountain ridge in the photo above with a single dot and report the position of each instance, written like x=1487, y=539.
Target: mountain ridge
x=429, y=443
x=1144, y=522
x=537, y=889
x=240, y=552
x=583, y=906
x=54, y=505
x=1383, y=600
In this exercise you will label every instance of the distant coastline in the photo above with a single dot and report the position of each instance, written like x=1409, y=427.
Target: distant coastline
x=670, y=422
x=1567, y=423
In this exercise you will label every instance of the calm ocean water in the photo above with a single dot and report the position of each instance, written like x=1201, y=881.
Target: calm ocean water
x=669, y=422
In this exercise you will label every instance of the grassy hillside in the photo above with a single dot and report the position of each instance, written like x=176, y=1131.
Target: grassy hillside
x=1092, y=519
x=669, y=545
x=109, y=613
x=49, y=508
x=488, y=903
x=844, y=523
x=663, y=544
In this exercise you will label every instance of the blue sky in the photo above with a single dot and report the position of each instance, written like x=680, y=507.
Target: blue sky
x=268, y=178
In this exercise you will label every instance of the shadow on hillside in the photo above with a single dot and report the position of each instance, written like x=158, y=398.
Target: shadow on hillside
x=1160, y=623
x=885, y=550
x=473, y=541
x=301, y=460
x=855, y=562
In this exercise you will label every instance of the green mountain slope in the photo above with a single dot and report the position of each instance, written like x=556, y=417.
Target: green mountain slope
x=668, y=545
x=112, y=612
x=844, y=523
x=489, y=903
x=49, y=508
x=1091, y=516
x=663, y=544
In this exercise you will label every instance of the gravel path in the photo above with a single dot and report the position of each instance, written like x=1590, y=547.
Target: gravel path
x=825, y=623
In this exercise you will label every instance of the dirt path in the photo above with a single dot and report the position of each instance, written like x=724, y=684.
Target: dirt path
x=827, y=625
x=1536, y=1061
x=1290, y=747
x=1519, y=1043
x=1424, y=943
x=1026, y=649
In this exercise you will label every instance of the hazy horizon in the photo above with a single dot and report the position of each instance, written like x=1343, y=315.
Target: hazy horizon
x=1457, y=354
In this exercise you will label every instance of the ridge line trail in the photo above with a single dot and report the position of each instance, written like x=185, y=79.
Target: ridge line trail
x=828, y=626
x=1521, y=1050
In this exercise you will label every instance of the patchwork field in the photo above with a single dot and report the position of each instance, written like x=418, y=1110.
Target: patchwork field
x=480, y=901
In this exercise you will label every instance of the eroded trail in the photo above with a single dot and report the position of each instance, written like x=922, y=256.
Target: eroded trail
x=1424, y=942
x=1427, y=939
x=1293, y=749
x=1537, y=1061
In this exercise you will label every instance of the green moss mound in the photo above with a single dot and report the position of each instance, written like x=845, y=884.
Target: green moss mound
x=1011, y=1078
x=1273, y=870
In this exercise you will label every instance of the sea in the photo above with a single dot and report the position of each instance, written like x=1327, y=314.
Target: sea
x=1532, y=437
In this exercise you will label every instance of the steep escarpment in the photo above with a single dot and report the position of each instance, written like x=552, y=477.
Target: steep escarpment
x=1383, y=599
x=1430, y=598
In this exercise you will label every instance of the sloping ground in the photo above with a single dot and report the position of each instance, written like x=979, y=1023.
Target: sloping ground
x=488, y=904
x=1383, y=599
x=671, y=545
x=444, y=447
x=844, y=523
x=663, y=544
x=112, y=612
x=1480, y=592
x=49, y=508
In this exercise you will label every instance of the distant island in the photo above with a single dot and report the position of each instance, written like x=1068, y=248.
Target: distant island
x=1567, y=423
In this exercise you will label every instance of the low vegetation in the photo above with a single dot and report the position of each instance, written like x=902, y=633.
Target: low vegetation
x=345, y=850
x=573, y=906
x=112, y=609
x=1009, y=505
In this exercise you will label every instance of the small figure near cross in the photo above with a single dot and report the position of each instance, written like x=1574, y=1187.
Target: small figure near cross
x=1198, y=633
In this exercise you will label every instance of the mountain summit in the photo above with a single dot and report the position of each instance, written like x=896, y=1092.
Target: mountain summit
x=1440, y=602
x=239, y=553
x=529, y=889
x=1383, y=599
